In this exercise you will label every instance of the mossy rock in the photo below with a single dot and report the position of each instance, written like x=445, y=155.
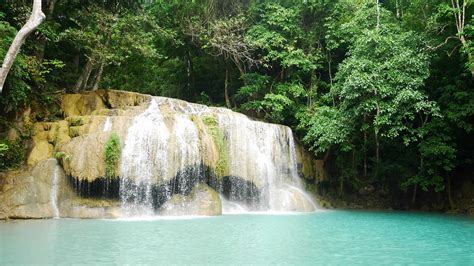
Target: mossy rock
x=212, y=127
x=81, y=104
x=77, y=120
x=75, y=131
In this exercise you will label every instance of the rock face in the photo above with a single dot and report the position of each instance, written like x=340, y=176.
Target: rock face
x=176, y=158
x=310, y=168
x=28, y=195
x=44, y=192
x=203, y=201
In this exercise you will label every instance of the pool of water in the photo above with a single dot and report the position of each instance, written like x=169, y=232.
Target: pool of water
x=327, y=237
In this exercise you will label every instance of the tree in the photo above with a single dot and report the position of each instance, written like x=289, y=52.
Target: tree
x=36, y=17
x=106, y=39
x=381, y=80
x=459, y=12
x=226, y=38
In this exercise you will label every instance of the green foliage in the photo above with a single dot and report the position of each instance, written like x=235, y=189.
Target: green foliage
x=327, y=126
x=112, y=155
x=59, y=155
x=3, y=149
x=275, y=104
x=326, y=68
x=381, y=79
x=277, y=34
x=12, y=154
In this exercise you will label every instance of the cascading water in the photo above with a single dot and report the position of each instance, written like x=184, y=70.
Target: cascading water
x=54, y=192
x=167, y=151
x=266, y=154
x=107, y=124
x=152, y=157
x=143, y=160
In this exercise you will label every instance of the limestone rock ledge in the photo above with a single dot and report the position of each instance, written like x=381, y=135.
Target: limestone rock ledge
x=78, y=143
x=29, y=194
x=203, y=201
x=310, y=168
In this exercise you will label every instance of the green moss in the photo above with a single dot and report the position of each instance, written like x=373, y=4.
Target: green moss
x=222, y=165
x=75, y=121
x=112, y=155
x=62, y=157
x=74, y=131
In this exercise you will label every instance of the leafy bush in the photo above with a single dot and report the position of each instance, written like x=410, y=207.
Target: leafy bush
x=12, y=154
x=112, y=155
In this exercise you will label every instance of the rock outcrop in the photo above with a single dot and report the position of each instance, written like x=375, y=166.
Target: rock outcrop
x=310, y=168
x=176, y=158
x=202, y=201
x=27, y=195
x=31, y=195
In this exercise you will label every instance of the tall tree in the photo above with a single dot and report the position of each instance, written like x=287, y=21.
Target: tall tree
x=36, y=17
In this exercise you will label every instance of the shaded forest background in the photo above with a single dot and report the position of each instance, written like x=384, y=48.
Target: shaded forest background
x=382, y=91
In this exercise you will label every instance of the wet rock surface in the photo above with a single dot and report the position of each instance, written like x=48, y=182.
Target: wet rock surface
x=167, y=147
x=202, y=201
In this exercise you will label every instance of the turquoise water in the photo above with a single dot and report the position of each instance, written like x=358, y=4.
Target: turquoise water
x=329, y=237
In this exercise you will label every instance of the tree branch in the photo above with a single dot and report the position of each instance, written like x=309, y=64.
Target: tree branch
x=36, y=17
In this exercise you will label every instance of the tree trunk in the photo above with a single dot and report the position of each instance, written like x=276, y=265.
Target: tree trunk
x=413, y=198
x=469, y=55
x=226, y=90
x=376, y=136
x=365, y=157
x=376, y=131
x=42, y=38
x=378, y=14
x=377, y=147
x=84, y=78
x=326, y=156
x=190, y=76
x=377, y=153
x=416, y=185
x=33, y=22
x=399, y=9
x=98, y=77
x=460, y=19
x=448, y=188
x=341, y=185
x=365, y=149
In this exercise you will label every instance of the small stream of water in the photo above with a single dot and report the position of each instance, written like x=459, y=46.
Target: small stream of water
x=54, y=191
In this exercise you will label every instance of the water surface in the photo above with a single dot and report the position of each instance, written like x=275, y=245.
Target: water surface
x=328, y=237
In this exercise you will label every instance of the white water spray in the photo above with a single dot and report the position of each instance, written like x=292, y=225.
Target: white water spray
x=54, y=192
x=107, y=124
x=164, y=151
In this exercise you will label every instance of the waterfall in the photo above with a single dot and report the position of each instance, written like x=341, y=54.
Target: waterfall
x=155, y=152
x=54, y=192
x=266, y=154
x=107, y=124
x=167, y=151
x=143, y=160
